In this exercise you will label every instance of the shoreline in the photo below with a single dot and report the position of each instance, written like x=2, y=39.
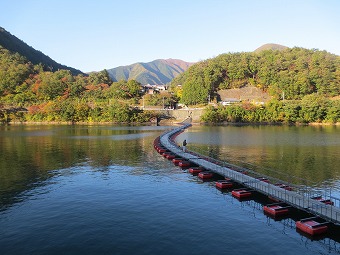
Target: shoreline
x=165, y=122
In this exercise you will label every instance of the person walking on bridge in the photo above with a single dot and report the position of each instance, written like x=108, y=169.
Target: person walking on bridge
x=184, y=145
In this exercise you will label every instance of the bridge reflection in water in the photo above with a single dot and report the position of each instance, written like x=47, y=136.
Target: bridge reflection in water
x=299, y=196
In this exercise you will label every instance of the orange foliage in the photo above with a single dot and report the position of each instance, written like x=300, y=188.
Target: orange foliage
x=66, y=93
x=101, y=86
x=33, y=109
x=91, y=87
x=38, y=108
x=248, y=106
x=36, y=86
x=104, y=86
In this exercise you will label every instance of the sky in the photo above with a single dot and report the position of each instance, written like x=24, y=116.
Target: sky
x=92, y=35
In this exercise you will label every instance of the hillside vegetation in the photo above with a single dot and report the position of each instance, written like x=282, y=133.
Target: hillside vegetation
x=15, y=45
x=28, y=93
x=160, y=71
x=294, y=73
x=302, y=83
x=303, y=86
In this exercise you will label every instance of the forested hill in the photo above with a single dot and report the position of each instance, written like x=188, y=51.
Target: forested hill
x=270, y=46
x=160, y=71
x=15, y=45
x=292, y=72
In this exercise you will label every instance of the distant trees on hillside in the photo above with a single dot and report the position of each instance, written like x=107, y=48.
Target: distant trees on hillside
x=312, y=108
x=294, y=72
x=308, y=78
x=61, y=96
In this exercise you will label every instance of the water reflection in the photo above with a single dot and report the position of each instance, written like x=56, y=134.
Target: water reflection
x=310, y=153
x=86, y=192
x=30, y=155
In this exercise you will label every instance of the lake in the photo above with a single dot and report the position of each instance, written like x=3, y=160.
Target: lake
x=105, y=190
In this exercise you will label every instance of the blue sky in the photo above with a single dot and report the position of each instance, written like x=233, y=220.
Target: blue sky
x=102, y=34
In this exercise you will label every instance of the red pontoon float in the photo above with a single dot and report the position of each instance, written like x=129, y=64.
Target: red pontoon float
x=283, y=186
x=263, y=179
x=223, y=184
x=312, y=226
x=241, y=193
x=277, y=209
x=167, y=153
x=162, y=150
x=205, y=175
x=196, y=170
x=171, y=156
x=177, y=160
x=184, y=163
x=156, y=143
x=322, y=200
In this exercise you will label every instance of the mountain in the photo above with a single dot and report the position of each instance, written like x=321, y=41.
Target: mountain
x=14, y=44
x=160, y=71
x=270, y=46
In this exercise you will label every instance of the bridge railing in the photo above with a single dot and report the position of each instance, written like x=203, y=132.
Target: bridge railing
x=304, y=187
x=302, y=195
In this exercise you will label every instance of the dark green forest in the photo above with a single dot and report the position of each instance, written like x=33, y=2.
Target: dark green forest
x=304, y=85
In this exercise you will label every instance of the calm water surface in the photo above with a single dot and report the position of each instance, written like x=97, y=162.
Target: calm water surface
x=309, y=154
x=104, y=190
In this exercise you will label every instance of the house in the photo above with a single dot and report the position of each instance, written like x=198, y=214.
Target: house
x=230, y=101
x=151, y=89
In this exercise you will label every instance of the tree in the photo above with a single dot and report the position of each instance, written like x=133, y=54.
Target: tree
x=96, y=78
x=76, y=87
x=195, y=89
x=133, y=89
x=52, y=85
x=314, y=108
x=333, y=112
x=14, y=70
x=124, y=90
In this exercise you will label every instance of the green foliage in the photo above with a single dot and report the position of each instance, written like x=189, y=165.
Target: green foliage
x=81, y=111
x=312, y=108
x=53, y=85
x=333, y=112
x=295, y=72
x=165, y=100
x=308, y=79
x=134, y=89
x=124, y=90
x=14, y=70
x=60, y=96
x=77, y=87
x=195, y=88
x=100, y=77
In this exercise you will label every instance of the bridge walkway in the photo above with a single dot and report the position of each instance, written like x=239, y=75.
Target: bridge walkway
x=294, y=198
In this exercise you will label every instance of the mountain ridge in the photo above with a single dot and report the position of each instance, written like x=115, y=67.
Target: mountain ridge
x=159, y=71
x=16, y=45
x=270, y=46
